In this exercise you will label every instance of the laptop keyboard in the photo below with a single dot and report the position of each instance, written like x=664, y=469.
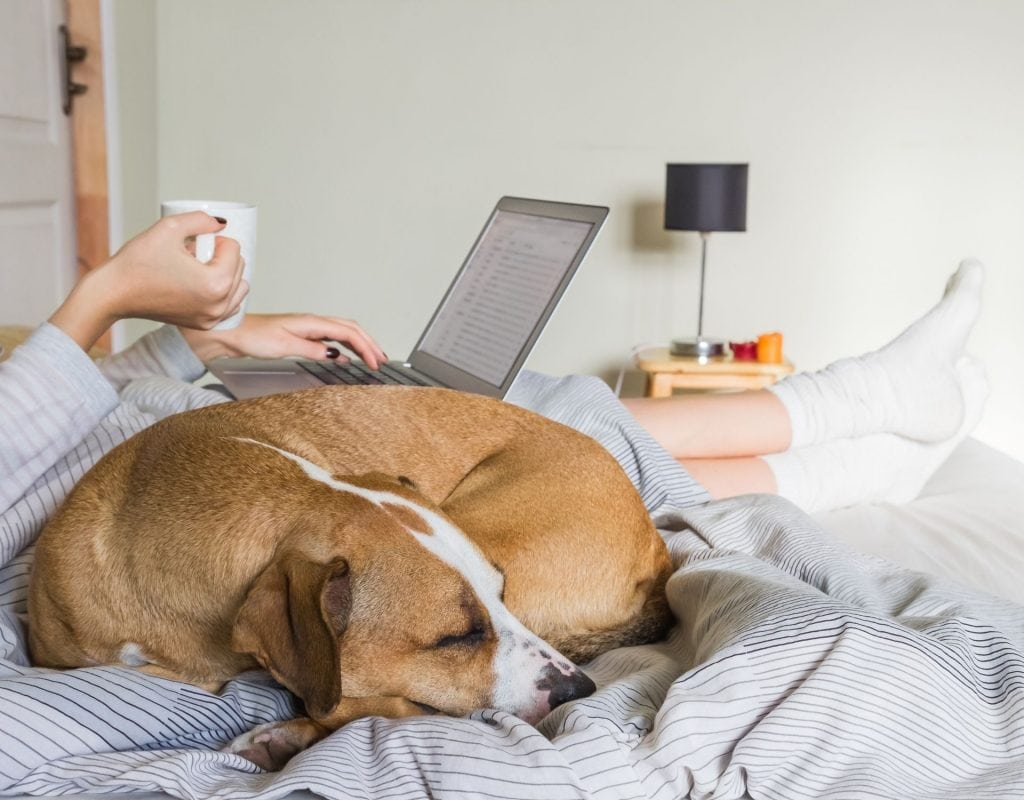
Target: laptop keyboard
x=354, y=374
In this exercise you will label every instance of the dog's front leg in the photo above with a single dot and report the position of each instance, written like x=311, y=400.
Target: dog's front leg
x=270, y=746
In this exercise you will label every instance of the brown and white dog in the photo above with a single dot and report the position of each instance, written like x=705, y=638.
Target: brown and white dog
x=380, y=551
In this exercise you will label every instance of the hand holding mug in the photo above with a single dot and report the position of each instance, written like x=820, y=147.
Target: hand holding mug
x=241, y=226
x=155, y=277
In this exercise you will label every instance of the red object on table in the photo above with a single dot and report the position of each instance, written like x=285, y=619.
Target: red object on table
x=743, y=351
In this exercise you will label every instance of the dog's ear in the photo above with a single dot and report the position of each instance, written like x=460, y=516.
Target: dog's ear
x=291, y=620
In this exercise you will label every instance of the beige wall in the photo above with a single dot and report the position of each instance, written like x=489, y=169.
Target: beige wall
x=135, y=29
x=886, y=141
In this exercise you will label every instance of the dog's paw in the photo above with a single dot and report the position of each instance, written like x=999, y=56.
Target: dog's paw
x=272, y=745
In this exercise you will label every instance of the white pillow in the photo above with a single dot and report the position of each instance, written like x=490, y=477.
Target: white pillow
x=967, y=524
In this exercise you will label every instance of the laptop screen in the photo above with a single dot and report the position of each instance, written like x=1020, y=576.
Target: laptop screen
x=509, y=283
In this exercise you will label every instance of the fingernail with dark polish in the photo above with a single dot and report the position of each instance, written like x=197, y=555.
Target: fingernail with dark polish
x=333, y=352
x=221, y=220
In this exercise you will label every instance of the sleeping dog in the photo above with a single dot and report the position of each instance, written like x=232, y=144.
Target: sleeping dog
x=380, y=551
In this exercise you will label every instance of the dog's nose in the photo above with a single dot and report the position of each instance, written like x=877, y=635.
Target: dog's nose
x=562, y=688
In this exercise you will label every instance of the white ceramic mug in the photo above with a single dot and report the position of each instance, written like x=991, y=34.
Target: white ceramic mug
x=241, y=227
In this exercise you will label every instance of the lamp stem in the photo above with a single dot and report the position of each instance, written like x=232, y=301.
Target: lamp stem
x=704, y=236
x=700, y=348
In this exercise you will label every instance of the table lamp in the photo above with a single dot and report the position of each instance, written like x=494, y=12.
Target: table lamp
x=704, y=198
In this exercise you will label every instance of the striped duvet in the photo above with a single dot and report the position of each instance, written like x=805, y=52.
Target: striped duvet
x=798, y=669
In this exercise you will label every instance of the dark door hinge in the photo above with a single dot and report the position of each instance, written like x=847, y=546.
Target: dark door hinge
x=69, y=54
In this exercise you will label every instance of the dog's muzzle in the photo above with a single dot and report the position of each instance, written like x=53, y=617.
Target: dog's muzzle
x=562, y=687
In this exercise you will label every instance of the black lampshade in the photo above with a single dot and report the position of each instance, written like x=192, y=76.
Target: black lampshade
x=706, y=197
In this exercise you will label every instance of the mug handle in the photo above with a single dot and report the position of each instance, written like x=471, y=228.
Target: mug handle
x=205, y=243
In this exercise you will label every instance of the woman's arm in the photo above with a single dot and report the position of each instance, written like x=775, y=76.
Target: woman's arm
x=154, y=276
x=182, y=352
x=52, y=394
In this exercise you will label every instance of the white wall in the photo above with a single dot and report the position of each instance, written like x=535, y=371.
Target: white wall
x=886, y=141
x=135, y=45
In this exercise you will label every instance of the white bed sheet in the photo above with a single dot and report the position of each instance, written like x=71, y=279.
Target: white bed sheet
x=967, y=525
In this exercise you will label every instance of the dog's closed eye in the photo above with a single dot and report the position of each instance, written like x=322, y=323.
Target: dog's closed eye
x=474, y=636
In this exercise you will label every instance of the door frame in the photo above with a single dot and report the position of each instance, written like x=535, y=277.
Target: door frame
x=90, y=24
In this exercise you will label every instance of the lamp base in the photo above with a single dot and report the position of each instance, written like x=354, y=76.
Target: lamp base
x=697, y=348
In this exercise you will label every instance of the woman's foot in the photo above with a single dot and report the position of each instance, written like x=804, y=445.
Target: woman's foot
x=909, y=387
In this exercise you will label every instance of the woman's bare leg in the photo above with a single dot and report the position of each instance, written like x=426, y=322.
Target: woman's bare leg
x=717, y=437
x=909, y=387
x=873, y=468
x=912, y=387
x=722, y=426
x=730, y=477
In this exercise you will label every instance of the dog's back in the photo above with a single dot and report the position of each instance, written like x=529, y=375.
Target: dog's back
x=187, y=499
x=585, y=568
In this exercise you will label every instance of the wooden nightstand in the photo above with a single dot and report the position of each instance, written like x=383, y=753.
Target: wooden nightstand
x=13, y=335
x=666, y=372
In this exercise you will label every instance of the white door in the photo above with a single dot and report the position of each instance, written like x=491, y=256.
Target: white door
x=37, y=249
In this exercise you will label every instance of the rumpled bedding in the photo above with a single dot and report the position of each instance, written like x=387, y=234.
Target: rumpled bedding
x=799, y=669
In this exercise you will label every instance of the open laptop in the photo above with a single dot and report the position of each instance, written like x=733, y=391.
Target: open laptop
x=487, y=322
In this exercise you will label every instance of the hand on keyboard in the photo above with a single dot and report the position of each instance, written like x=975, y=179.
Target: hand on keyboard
x=282, y=335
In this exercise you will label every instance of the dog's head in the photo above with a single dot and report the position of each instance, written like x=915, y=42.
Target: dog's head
x=407, y=607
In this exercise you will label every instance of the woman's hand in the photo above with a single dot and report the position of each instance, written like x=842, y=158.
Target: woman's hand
x=155, y=276
x=281, y=335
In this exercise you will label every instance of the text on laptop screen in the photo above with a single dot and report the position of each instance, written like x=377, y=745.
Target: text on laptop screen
x=503, y=290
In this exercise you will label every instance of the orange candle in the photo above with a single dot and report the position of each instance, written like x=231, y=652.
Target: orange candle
x=769, y=348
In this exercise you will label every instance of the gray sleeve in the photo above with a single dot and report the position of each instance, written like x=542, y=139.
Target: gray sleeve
x=161, y=352
x=51, y=395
